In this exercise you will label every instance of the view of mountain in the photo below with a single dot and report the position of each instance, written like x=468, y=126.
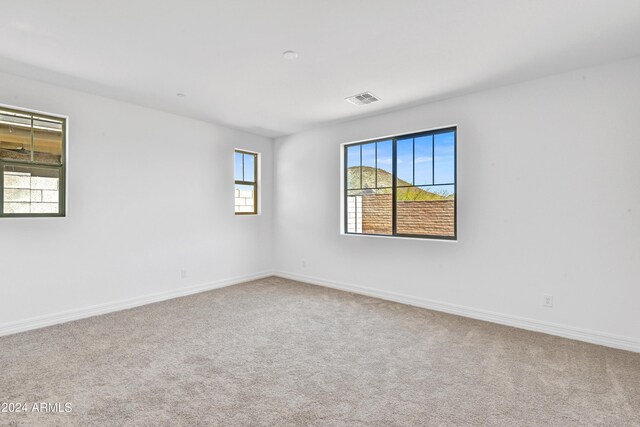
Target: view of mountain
x=384, y=179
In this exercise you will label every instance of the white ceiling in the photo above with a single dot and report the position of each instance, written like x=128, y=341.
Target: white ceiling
x=226, y=56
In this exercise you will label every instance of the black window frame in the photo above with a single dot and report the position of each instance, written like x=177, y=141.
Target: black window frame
x=61, y=168
x=394, y=178
x=253, y=183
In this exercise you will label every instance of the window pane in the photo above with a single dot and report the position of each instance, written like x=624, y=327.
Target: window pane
x=244, y=195
x=47, y=140
x=426, y=211
x=385, y=159
x=354, y=211
x=369, y=165
x=404, y=156
x=424, y=160
x=369, y=211
x=15, y=136
x=31, y=190
x=444, y=158
x=249, y=165
x=238, y=166
x=353, y=167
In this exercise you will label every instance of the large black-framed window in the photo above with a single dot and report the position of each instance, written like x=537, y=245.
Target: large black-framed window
x=32, y=164
x=402, y=186
x=246, y=182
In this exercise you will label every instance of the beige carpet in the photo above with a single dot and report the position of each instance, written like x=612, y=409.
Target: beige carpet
x=280, y=353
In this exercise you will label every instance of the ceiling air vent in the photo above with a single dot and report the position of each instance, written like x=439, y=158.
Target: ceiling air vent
x=362, y=98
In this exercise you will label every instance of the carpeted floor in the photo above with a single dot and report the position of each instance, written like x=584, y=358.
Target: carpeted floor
x=275, y=352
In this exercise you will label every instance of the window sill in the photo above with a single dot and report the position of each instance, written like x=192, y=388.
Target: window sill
x=380, y=236
x=33, y=216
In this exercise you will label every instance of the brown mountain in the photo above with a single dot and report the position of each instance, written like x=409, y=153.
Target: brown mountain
x=372, y=176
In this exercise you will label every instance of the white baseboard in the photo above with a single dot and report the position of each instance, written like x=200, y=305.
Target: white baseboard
x=570, y=332
x=589, y=336
x=95, y=310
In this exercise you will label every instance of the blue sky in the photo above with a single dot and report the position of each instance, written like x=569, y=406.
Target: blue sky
x=443, y=149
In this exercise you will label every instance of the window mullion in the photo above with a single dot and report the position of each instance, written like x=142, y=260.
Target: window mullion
x=360, y=166
x=413, y=161
x=394, y=183
x=255, y=185
x=433, y=160
x=376, y=163
x=31, y=135
x=345, y=179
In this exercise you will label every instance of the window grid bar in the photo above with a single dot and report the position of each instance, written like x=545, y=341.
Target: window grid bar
x=360, y=166
x=376, y=163
x=413, y=161
x=401, y=186
x=426, y=185
x=31, y=137
x=355, y=227
x=433, y=159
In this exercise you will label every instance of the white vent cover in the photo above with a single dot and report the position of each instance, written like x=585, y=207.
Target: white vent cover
x=362, y=98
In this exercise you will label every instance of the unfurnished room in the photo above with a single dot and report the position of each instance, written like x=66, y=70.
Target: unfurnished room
x=320, y=213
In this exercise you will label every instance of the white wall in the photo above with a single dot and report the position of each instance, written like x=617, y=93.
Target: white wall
x=549, y=202
x=149, y=194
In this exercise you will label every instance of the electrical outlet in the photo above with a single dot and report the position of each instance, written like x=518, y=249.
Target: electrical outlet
x=304, y=264
x=183, y=274
x=547, y=300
